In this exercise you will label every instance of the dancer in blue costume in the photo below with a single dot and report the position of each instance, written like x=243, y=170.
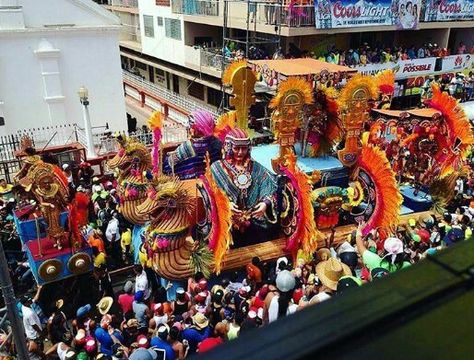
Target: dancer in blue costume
x=250, y=187
x=187, y=161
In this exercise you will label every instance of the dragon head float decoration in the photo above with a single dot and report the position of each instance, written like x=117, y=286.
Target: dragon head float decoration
x=131, y=162
x=168, y=245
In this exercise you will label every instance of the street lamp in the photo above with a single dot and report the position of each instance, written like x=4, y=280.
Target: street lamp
x=84, y=98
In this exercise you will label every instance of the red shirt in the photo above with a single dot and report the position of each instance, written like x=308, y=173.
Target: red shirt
x=209, y=343
x=125, y=301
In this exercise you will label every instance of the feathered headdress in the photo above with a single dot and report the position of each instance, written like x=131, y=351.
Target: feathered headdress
x=292, y=84
x=155, y=122
x=386, y=82
x=388, y=200
x=225, y=123
x=356, y=83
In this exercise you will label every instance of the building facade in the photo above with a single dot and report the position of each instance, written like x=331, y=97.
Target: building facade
x=178, y=43
x=48, y=50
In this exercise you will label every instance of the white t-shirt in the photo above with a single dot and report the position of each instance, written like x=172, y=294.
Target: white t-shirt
x=30, y=318
x=273, y=309
x=141, y=284
x=112, y=233
x=160, y=320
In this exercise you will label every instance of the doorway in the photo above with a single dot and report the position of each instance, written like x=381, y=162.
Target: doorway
x=176, y=84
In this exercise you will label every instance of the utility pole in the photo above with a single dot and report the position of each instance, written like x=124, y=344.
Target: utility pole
x=10, y=303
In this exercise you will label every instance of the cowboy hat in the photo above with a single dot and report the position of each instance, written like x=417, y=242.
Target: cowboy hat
x=330, y=271
x=105, y=304
x=200, y=321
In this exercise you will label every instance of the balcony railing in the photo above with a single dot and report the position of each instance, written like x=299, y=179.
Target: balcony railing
x=124, y=3
x=212, y=58
x=195, y=7
x=297, y=16
x=180, y=101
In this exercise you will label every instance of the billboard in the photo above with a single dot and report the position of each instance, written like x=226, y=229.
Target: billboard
x=457, y=62
x=448, y=10
x=333, y=14
x=403, y=69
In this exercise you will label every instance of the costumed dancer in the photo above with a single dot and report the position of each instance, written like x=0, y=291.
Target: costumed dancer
x=187, y=161
x=250, y=187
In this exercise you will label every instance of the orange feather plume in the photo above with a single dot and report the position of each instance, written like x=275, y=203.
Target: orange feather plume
x=306, y=235
x=386, y=82
x=459, y=129
x=357, y=82
x=220, y=237
x=373, y=161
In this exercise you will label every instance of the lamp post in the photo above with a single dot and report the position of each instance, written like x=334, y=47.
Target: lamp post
x=84, y=98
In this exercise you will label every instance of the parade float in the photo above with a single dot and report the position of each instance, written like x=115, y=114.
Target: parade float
x=340, y=157
x=46, y=222
x=322, y=173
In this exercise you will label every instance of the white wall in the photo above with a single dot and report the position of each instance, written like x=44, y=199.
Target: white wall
x=42, y=90
x=160, y=46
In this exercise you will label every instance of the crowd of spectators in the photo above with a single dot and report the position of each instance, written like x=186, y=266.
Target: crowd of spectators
x=139, y=318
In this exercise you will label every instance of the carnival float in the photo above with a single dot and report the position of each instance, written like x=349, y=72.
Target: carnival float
x=338, y=157
x=46, y=221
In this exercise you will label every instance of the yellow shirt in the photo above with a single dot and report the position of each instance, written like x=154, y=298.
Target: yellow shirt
x=99, y=260
x=6, y=189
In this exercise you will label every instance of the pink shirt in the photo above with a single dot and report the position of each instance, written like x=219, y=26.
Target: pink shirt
x=125, y=301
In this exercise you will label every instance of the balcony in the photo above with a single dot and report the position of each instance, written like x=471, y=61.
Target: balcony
x=208, y=61
x=195, y=7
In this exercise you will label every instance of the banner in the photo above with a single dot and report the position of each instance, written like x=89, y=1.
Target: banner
x=457, y=62
x=406, y=14
x=403, y=69
x=448, y=10
x=332, y=14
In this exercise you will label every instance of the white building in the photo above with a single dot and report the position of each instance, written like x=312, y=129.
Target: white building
x=48, y=49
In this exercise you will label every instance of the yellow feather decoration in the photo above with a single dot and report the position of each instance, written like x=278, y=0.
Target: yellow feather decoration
x=292, y=84
x=155, y=121
x=357, y=82
x=230, y=71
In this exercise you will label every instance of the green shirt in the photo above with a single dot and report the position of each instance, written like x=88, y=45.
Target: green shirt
x=373, y=261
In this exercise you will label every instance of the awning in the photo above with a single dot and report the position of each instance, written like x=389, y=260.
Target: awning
x=420, y=113
x=424, y=113
x=299, y=67
x=388, y=113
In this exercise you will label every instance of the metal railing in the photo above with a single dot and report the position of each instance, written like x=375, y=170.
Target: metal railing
x=124, y=3
x=180, y=101
x=212, y=58
x=106, y=142
x=50, y=135
x=296, y=16
x=195, y=7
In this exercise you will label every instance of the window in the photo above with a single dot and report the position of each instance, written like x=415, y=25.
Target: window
x=214, y=97
x=2, y=121
x=196, y=90
x=148, y=26
x=173, y=28
x=160, y=21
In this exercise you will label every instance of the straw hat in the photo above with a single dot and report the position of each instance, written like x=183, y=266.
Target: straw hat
x=330, y=271
x=105, y=304
x=200, y=321
x=323, y=254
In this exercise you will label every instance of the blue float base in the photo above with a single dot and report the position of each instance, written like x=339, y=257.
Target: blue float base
x=420, y=202
x=333, y=172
